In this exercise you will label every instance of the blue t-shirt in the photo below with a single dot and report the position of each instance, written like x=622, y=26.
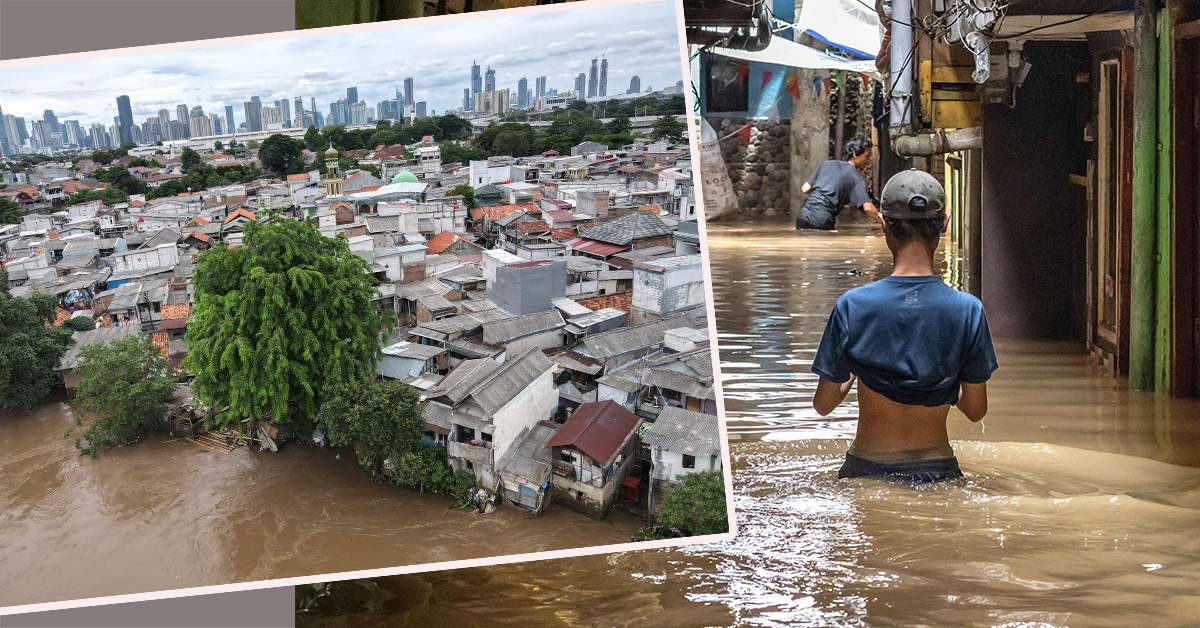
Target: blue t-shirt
x=911, y=339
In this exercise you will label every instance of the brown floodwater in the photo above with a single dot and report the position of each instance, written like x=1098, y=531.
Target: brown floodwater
x=1079, y=507
x=164, y=514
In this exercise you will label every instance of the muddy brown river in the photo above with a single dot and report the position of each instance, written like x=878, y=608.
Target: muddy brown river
x=1080, y=505
x=164, y=514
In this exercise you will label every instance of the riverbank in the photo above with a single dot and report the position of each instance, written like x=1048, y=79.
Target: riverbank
x=163, y=515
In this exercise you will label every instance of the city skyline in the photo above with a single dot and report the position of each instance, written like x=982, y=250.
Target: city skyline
x=557, y=45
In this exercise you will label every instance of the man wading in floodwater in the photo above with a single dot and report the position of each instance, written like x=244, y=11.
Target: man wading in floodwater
x=916, y=346
x=835, y=184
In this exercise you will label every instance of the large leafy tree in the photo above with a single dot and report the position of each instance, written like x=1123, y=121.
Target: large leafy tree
x=126, y=383
x=697, y=506
x=10, y=212
x=29, y=350
x=381, y=419
x=670, y=129
x=279, y=320
x=189, y=160
x=467, y=192
x=281, y=154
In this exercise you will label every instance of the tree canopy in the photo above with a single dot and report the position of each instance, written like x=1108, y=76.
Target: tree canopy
x=467, y=192
x=381, y=419
x=282, y=155
x=697, y=506
x=29, y=350
x=670, y=129
x=280, y=320
x=126, y=382
x=10, y=212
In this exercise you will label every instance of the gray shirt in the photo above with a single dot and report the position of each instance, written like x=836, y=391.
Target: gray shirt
x=833, y=185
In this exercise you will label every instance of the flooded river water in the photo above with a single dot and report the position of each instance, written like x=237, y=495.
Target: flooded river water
x=1079, y=507
x=165, y=514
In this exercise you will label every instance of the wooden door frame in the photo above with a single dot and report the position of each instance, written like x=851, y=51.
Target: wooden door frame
x=1185, y=212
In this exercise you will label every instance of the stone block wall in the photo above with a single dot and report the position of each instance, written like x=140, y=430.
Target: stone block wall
x=760, y=170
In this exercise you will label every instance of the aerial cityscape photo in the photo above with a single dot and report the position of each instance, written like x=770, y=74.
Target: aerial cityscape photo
x=351, y=306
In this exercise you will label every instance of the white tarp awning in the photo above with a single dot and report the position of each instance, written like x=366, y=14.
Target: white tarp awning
x=783, y=52
x=848, y=25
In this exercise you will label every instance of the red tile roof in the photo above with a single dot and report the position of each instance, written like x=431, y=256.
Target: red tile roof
x=563, y=234
x=199, y=236
x=476, y=214
x=175, y=311
x=443, y=241
x=533, y=226
x=197, y=221
x=596, y=247
x=496, y=212
x=559, y=215
x=241, y=211
x=650, y=208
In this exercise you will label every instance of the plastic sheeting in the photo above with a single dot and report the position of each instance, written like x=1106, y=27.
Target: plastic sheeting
x=789, y=53
x=848, y=25
x=716, y=188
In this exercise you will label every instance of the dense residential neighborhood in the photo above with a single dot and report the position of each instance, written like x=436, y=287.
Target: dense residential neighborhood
x=549, y=308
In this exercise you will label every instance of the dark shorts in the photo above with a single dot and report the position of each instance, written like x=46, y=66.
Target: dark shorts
x=817, y=214
x=920, y=470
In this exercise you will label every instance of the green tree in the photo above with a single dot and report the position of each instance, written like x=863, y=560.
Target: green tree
x=575, y=125
x=697, y=506
x=467, y=192
x=453, y=152
x=381, y=419
x=29, y=350
x=487, y=138
x=555, y=141
x=619, y=125
x=453, y=127
x=190, y=159
x=670, y=129
x=312, y=139
x=217, y=145
x=279, y=320
x=10, y=212
x=102, y=157
x=281, y=154
x=108, y=196
x=126, y=382
x=512, y=143
x=252, y=144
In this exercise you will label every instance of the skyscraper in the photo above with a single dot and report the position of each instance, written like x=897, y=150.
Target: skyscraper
x=164, y=124
x=197, y=111
x=489, y=82
x=351, y=95
x=181, y=113
x=593, y=79
x=22, y=131
x=73, y=133
x=603, y=77
x=318, y=119
x=287, y=113
x=229, y=125
x=678, y=87
x=253, y=116
x=49, y=116
x=580, y=86
x=466, y=98
x=420, y=109
x=476, y=80
x=635, y=85
x=125, y=114
x=217, y=123
x=539, y=87
x=6, y=149
x=12, y=134
x=522, y=88
x=254, y=99
x=409, y=96
x=299, y=105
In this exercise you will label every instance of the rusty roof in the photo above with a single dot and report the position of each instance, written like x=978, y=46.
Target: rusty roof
x=599, y=429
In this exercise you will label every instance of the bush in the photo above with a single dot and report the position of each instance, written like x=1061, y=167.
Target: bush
x=697, y=506
x=464, y=486
x=427, y=470
x=80, y=323
x=126, y=382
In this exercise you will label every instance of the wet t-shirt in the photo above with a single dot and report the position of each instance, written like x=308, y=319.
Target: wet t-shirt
x=911, y=339
x=834, y=184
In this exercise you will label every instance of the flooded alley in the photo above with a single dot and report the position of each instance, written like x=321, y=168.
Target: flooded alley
x=165, y=514
x=1078, y=507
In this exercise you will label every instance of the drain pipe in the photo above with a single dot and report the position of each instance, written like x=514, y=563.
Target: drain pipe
x=939, y=142
x=902, y=57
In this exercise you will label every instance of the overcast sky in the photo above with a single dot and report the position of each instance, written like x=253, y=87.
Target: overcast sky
x=637, y=39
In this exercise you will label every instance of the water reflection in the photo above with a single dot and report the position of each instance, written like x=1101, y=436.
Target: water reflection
x=1069, y=514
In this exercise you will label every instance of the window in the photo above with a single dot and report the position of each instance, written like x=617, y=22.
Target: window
x=689, y=462
x=727, y=85
x=566, y=456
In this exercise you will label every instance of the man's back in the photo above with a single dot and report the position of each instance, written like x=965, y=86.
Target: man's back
x=834, y=184
x=913, y=340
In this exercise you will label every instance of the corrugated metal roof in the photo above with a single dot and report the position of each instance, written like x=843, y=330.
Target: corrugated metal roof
x=684, y=432
x=457, y=384
x=502, y=331
x=576, y=362
x=438, y=415
x=628, y=229
x=528, y=458
x=679, y=382
x=596, y=247
x=598, y=429
x=629, y=339
x=81, y=339
x=514, y=376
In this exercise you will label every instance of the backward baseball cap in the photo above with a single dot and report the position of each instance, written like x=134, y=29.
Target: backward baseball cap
x=912, y=194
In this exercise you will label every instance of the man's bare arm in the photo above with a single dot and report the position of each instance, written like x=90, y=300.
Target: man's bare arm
x=972, y=401
x=872, y=211
x=805, y=188
x=830, y=395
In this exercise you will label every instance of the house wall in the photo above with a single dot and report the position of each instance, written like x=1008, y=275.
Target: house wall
x=590, y=500
x=537, y=402
x=668, y=465
x=605, y=392
x=663, y=241
x=659, y=293
x=164, y=255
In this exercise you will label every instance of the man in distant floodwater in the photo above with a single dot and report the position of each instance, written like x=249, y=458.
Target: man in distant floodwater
x=915, y=345
x=834, y=184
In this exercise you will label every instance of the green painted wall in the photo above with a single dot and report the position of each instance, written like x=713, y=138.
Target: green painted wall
x=1143, y=270
x=1162, y=331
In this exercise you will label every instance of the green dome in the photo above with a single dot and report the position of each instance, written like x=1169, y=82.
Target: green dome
x=405, y=177
x=332, y=152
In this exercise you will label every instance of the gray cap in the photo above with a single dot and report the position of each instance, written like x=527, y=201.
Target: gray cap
x=912, y=194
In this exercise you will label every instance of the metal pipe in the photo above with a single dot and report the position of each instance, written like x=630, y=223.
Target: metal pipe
x=1144, y=219
x=939, y=142
x=900, y=66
